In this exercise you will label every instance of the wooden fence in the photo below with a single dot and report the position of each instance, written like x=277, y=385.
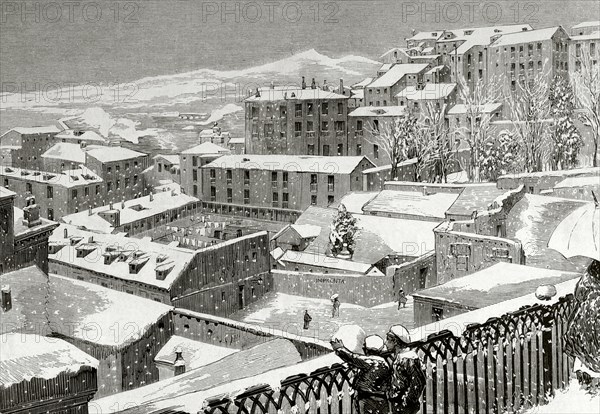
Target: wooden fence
x=505, y=364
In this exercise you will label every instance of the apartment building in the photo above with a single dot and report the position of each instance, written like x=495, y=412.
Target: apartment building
x=56, y=194
x=585, y=28
x=282, y=181
x=296, y=121
x=23, y=147
x=191, y=162
x=416, y=98
x=383, y=90
x=583, y=51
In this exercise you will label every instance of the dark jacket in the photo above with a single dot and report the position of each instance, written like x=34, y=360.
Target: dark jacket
x=408, y=378
x=373, y=375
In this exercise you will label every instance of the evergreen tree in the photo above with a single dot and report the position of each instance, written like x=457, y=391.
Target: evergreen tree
x=566, y=139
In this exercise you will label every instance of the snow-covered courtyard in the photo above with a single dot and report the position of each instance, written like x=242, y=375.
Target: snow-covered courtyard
x=285, y=312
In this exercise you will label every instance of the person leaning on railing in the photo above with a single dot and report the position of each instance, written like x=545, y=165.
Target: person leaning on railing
x=408, y=376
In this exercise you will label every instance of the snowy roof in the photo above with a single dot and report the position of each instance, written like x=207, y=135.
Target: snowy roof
x=5, y=192
x=395, y=74
x=50, y=129
x=272, y=362
x=314, y=259
x=458, y=324
x=69, y=134
x=411, y=203
x=475, y=197
x=461, y=109
x=195, y=353
x=173, y=159
x=206, y=148
x=427, y=35
x=429, y=91
x=579, y=182
x=294, y=163
x=591, y=36
x=21, y=229
x=495, y=284
x=392, y=50
x=357, y=94
x=355, y=200
x=435, y=69
x=66, y=151
x=120, y=268
x=379, y=111
x=389, y=166
x=528, y=36
x=294, y=94
x=237, y=140
x=68, y=178
x=592, y=23
x=112, y=154
x=135, y=209
x=532, y=220
x=559, y=173
x=24, y=357
x=362, y=83
x=306, y=231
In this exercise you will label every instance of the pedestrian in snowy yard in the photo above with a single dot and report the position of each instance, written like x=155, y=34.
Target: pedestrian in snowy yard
x=408, y=377
x=307, y=319
x=335, y=311
x=582, y=339
x=373, y=377
x=402, y=299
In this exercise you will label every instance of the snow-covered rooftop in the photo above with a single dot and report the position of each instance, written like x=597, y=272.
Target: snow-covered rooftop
x=461, y=109
x=66, y=151
x=104, y=243
x=396, y=73
x=411, y=203
x=355, y=200
x=295, y=163
x=475, y=197
x=315, y=259
x=571, y=182
x=500, y=282
x=593, y=23
x=528, y=36
x=51, y=129
x=5, y=192
x=294, y=94
x=195, y=353
x=88, y=136
x=134, y=210
x=68, y=178
x=20, y=229
x=206, y=148
x=27, y=356
x=173, y=159
x=362, y=83
x=429, y=91
x=112, y=154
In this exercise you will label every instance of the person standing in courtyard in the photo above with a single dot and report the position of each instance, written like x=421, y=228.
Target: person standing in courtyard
x=307, y=319
x=408, y=376
x=373, y=377
x=402, y=299
x=335, y=310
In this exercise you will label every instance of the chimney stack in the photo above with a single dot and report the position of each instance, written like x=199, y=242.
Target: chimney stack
x=173, y=193
x=91, y=239
x=257, y=93
x=179, y=363
x=123, y=204
x=151, y=197
x=66, y=234
x=342, y=87
x=89, y=211
x=6, y=298
x=110, y=206
x=272, y=85
x=324, y=83
x=303, y=83
x=313, y=84
x=425, y=192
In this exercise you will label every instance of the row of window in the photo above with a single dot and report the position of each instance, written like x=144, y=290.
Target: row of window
x=117, y=183
x=592, y=49
x=298, y=110
x=118, y=167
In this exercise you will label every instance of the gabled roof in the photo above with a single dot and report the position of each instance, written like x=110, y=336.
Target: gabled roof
x=581, y=25
x=396, y=73
x=362, y=83
x=173, y=159
x=50, y=129
x=294, y=163
x=27, y=356
x=5, y=192
x=69, y=134
x=572, y=182
x=112, y=154
x=379, y=111
x=195, y=353
x=528, y=36
x=392, y=50
x=431, y=91
x=206, y=148
x=66, y=151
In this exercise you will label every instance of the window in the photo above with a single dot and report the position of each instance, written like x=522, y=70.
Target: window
x=222, y=296
x=213, y=193
x=283, y=111
x=285, y=179
x=340, y=127
x=50, y=214
x=340, y=149
x=108, y=170
x=592, y=49
x=330, y=183
x=376, y=151
x=194, y=162
x=376, y=125
x=298, y=128
x=311, y=149
x=310, y=126
x=229, y=195
x=274, y=179
x=28, y=187
x=330, y=200
x=340, y=108
x=117, y=184
x=326, y=150
x=246, y=177
x=298, y=110
x=135, y=163
x=480, y=56
x=578, y=50
x=135, y=179
x=325, y=108
x=50, y=192
x=358, y=149
x=246, y=196
x=285, y=200
x=275, y=199
x=126, y=165
x=469, y=59
x=468, y=76
x=73, y=194
x=194, y=175
x=359, y=125
x=268, y=130
x=539, y=46
x=310, y=108
x=313, y=182
x=229, y=176
x=313, y=200
x=86, y=191
x=108, y=186
x=195, y=190
x=437, y=314
x=127, y=183
x=324, y=126
x=6, y=182
x=159, y=167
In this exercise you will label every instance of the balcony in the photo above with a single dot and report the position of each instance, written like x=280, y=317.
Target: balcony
x=325, y=134
x=360, y=133
x=310, y=134
x=340, y=133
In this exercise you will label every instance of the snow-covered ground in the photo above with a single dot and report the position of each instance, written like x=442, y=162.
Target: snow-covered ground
x=285, y=312
x=573, y=400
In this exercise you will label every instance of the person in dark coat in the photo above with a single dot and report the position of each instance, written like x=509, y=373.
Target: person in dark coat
x=582, y=341
x=408, y=376
x=335, y=311
x=402, y=299
x=373, y=377
x=307, y=319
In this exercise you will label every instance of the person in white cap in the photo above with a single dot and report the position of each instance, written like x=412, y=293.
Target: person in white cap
x=373, y=377
x=408, y=376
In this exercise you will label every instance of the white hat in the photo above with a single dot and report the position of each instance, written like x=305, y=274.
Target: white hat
x=400, y=332
x=374, y=342
x=334, y=296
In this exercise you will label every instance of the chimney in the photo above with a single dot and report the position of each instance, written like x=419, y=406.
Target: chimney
x=341, y=86
x=151, y=197
x=313, y=84
x=257, y=93
x=425, y=192
x=123, y=204
x=6, y=298
x=173, y=193
x=110, y=206
x=89, y=212
x=272, y=85
x=66, y=235
x=303, y=83
x=91, y=239
x=179, y=363
x=31, y=213
x=324, y=83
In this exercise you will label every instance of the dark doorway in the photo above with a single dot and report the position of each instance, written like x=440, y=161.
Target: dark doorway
x=241, y=297
x=423, y=277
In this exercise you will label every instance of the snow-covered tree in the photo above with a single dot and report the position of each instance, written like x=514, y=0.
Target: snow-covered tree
x=476, y=133
x=566, y=139
x=396, y=137
x=499, y=156
x=342, y=232
x=437, y=149
x=586, y=84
